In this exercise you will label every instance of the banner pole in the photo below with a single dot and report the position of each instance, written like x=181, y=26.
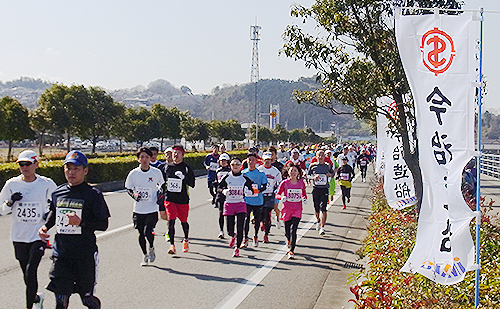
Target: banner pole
x=478, y=189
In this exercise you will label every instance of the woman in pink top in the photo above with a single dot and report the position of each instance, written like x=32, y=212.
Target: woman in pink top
x=292, y=192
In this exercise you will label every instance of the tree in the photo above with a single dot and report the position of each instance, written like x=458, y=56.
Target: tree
x=358, y=62
x=265, y=135
x=16, y=122
x=39, y=122
x=226, y=130
x=98, y=111
x=121, y=126
x=141, y=124
x=280, y=133
x=166, y=122
x=194, y=129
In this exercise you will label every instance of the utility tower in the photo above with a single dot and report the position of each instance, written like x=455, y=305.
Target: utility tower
x=254, y=75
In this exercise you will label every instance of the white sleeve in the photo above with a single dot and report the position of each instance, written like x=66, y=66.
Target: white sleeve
x=5, y=196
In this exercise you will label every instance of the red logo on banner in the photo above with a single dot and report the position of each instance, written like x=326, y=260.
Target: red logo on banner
x=438, y=50
x=392, y=110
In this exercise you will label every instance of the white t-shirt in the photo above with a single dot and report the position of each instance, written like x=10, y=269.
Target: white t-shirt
x=29, y=212
x=146, y=184
x=273, y=178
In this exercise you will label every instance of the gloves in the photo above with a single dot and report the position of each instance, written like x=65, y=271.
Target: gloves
x=225, y=191
x=136, y=196
x=14, y=197
x=180, y=175
x=304, y=200
x=247, y=192
x=283, y=198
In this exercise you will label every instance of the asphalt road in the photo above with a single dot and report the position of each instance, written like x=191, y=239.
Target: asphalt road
x=207, y=276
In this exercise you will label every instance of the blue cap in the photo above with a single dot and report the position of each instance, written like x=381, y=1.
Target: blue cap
x=76, y=157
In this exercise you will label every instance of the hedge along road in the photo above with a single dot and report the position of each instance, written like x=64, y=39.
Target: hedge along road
x=205, y=277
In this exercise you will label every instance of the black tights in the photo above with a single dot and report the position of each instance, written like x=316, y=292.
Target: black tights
x=89, y=301
x=256, y=217
x=239, y=227
x=29, y=261
x=291, y=231
x=220, y=205
x=346, y=193
x=171, y=230
x=146, y=233
x=265, y=217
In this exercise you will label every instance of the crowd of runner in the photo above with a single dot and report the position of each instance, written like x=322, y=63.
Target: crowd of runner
x=246, y=193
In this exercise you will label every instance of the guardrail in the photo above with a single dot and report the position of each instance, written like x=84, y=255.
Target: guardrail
x=490, y=165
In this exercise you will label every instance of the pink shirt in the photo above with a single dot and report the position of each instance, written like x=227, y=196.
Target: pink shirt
x=294, y=193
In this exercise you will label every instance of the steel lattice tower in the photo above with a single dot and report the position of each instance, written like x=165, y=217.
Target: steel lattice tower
x=254, y=75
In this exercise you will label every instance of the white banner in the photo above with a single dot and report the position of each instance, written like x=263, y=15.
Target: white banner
x=398, y=180
x=438, y=55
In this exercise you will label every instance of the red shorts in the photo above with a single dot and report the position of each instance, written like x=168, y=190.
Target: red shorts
x=175, y=211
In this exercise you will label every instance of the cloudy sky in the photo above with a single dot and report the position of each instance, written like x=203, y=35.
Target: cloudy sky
x=198, y=43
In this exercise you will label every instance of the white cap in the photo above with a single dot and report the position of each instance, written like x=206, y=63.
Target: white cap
x=295, y=150
x=27, y=156
x=224, y=156
x=169, y=149
x=266, y=155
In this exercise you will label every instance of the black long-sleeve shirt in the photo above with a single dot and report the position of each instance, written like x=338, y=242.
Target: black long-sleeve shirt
x=89, y=204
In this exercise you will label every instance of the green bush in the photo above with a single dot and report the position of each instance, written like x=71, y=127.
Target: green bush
x=391, y=237
x=101, y=169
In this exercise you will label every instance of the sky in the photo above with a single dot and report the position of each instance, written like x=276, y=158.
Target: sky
x=197, y=43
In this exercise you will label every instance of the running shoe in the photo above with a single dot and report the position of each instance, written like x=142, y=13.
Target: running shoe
x=255, y=241
x=39, y=303
x=152, y=255
x=245, y=243
x=290, y=255
x=232, y=241
x=167, y=237
x=145, y=260
x=266, y=239
x=278, y=223
x=318, y=225
x=348, y=200
x=322, y=231
x=185, y=245
x=171, y=250
x=221, y=235
x=288, y=244
x=153, y=231
x=236, y=252
x=343, y=207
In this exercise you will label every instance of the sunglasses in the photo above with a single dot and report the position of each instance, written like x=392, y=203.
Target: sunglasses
x=25, y=163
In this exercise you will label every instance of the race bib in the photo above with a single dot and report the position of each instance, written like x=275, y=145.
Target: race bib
x=144, y=193
x=255, y=190
x=221, y=175
x=294, y=195
x=214, y=166
x=62, y=225
x=174, y=185
x=321, y=181
x=234, y=194
x=344, y=176
x=362, y=163
x=28, y=212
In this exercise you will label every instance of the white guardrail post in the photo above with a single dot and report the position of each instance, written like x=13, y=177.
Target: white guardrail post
x=490, y=165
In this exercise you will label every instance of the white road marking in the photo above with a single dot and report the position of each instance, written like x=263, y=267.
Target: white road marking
x=118, y=229
x=241, y=292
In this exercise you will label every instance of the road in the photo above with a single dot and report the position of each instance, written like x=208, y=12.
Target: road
x=208, y=276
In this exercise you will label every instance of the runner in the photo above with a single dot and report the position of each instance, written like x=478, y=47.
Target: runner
x=292, y=192
x=177, y=178
x=232, y=186
x=331, y=181
x=26, y=197
x=168, y=157
x=279, y=166
x=154, y=162
x=255, y=151
x=295, y=160
x=222, y=172
x=211, y=165
x=77, y=210
x=254, y=198
x=283, y=154
x=345, y=174
x=319, y=173
x=143, y=184
x=161, y=201
x=274, y=179
x=363, y=159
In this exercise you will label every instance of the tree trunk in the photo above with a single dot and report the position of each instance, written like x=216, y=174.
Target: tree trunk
x=40, y=144
x=68, y=144
x=9, y=153
x=411, y=159
x=94, y=142
x=120, y=141
x=161, y=145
